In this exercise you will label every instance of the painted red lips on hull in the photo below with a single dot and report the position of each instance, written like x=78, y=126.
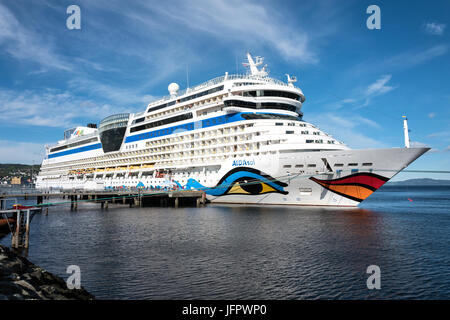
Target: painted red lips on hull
x=357, y=186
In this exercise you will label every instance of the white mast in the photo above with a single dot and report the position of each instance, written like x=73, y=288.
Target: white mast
x=291, y=80
x=406, y=131
x=253, y=65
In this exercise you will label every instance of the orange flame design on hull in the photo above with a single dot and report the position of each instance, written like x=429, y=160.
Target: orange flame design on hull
x=356, y=187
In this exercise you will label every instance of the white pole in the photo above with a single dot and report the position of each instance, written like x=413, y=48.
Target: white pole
x=405, y=130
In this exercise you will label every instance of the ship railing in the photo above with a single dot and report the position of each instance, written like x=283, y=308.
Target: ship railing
x=221, y=79
x=89, y=135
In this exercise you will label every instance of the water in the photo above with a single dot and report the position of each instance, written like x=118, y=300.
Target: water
x=254, y=252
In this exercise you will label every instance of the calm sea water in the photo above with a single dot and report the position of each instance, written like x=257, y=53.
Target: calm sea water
x=254, y=252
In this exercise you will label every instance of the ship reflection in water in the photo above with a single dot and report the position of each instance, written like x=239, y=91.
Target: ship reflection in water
x=253, y=252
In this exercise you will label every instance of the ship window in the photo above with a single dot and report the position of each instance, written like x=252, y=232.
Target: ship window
x=311, y=165
x=287, y=166
x=138, y=120
x=299, y=166
x=74, y=144
x=309, y=141
x=162, y=122
x=367, y=164
x=263, y=105
x=289, y=132
x=279, y=124
x=352, y=164
x=254, y=116
x=338, y=164
x=272, y=93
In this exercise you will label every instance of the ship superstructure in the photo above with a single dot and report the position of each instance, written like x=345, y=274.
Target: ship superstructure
x=240, y=138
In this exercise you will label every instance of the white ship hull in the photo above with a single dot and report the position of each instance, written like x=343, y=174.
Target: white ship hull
x=277, y=184
x=239, y=138
x=302, y=188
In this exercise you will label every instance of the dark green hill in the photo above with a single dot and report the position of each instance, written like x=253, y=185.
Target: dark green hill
x=9, y=170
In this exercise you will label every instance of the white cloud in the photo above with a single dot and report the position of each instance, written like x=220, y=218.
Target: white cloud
x=231, y=23
x=53, y=108
x=435, y=28
x=379, y=86
x=364, y=95
x=247, y=22
x=24, y=44
x=21, y=152
x=117, y=95
x=441, y=135
x=410, y=59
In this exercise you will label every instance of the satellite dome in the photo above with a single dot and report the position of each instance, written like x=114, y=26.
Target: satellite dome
x=173, y=88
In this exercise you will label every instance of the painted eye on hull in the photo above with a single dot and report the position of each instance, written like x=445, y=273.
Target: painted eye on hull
x=249, y=181
x=251, y=186
x=242, y=180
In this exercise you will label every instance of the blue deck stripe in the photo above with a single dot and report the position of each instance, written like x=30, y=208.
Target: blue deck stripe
x=210, y=122
x=81, y=149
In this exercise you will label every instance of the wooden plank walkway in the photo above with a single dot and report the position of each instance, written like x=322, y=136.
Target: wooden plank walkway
x=132, y=197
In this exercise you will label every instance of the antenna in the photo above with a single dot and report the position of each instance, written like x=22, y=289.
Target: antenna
x=187, y=76
x=253, y=65
x=291, y=80
x=406, y=131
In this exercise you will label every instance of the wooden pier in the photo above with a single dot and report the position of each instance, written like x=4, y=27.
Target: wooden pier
x=139, y=198
x=18, y=222
x=17, y=219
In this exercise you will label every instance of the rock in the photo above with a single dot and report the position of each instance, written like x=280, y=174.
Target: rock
x=17, y=296
x=25, y=285
x=9, y=288
x=20, y=279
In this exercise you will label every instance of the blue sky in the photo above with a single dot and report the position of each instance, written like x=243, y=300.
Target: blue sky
x=357, y=82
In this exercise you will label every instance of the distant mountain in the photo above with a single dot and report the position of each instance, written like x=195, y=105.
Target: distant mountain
x=421, y=182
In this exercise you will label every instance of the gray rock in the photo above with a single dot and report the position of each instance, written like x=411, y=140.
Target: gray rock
x=20, y=279
x=17, y=296
x=9, y=288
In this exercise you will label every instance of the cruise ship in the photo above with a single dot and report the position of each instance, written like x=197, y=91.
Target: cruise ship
x=239, y=138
